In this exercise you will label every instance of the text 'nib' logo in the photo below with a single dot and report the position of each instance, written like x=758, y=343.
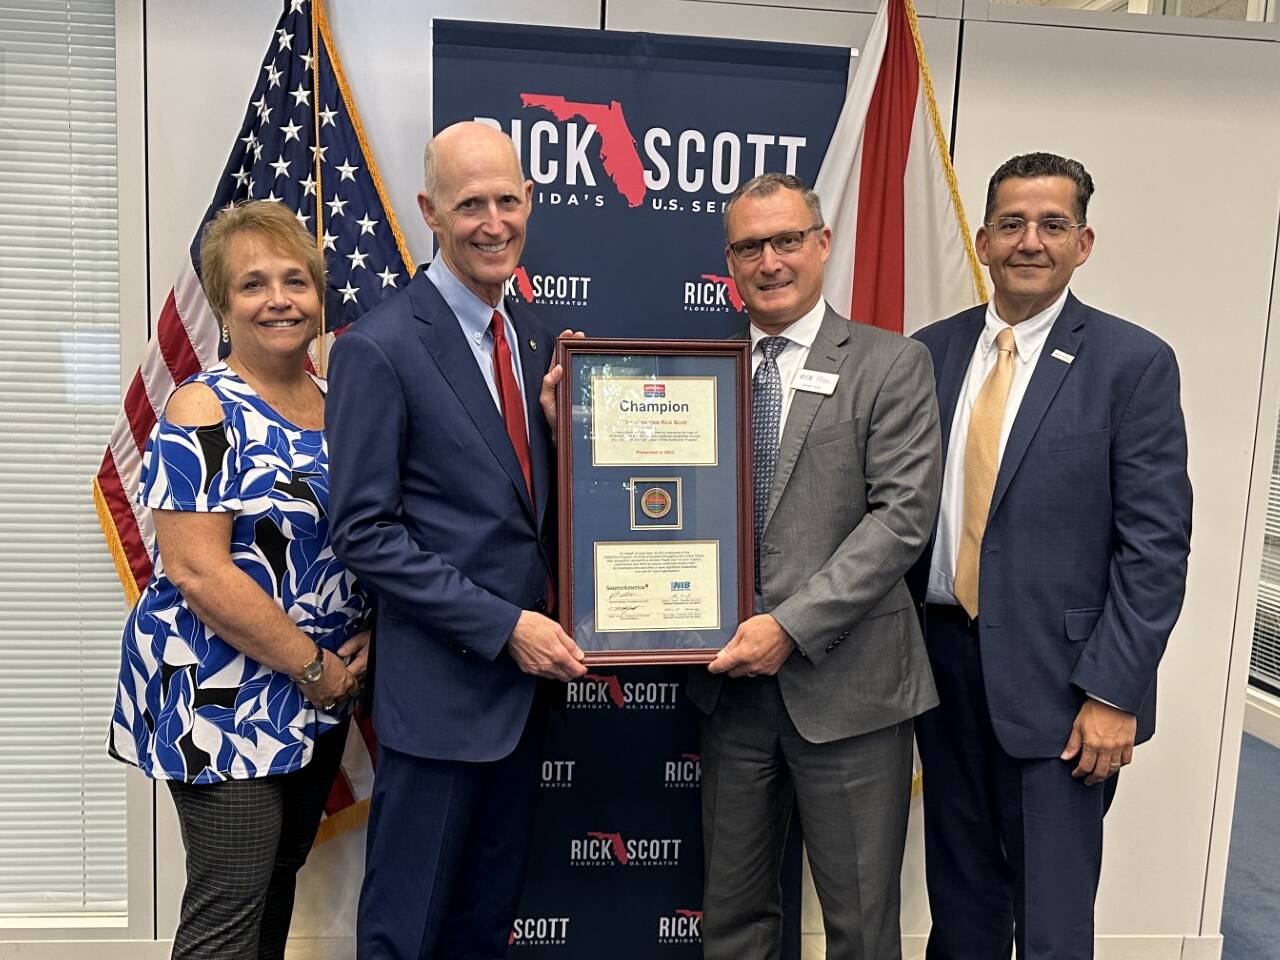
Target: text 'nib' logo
x=685, y=773
x=598, y=849
x=603, y=691
x=548, y=289
x=712, y=293
x=538, y=931
x=683, y=926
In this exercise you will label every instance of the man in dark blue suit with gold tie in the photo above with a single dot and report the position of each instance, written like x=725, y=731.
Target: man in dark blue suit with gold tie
x=1053, y=581
x=443, y=503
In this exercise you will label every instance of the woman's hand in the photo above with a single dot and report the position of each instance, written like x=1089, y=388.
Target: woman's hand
x=356, y=653
x=336, y=683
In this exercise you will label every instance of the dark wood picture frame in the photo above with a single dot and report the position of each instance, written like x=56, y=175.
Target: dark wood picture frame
x=740, y=352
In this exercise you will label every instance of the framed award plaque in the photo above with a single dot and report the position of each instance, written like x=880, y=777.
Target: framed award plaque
x=654, y=448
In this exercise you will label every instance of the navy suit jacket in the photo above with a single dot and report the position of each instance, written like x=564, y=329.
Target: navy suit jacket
x=1084, y=559
x=430, y=510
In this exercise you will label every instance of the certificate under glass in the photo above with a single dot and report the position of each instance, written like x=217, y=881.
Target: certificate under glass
x=634, y=423
x=654, y=497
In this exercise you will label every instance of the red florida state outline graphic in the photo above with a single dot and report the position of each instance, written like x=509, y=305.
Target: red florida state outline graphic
x=614, y=685
x=523, y=284
x=615, y=840
x=617, y=145
x=735, y=298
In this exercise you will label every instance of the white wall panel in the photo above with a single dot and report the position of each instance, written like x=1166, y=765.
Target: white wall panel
x=1181, y=136
x=755, y=21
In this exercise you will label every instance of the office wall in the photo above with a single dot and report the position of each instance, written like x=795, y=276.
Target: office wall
x=1181, y=134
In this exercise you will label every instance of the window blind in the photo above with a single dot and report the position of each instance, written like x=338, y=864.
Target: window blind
x=62, y=800
x=1264, y=660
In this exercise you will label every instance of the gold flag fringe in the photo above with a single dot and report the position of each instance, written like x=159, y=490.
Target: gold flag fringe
x=112, y=536
x=975, y=268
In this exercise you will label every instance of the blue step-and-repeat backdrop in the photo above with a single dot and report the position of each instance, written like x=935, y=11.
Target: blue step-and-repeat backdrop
x=634, y=142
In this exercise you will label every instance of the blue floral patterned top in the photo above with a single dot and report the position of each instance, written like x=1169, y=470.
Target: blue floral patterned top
x=189, y=706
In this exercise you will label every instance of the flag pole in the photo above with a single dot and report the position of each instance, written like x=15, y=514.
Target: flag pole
x=317, y=11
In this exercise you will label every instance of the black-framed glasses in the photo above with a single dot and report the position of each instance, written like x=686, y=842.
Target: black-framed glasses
x=783, y=243
x=1049, y=229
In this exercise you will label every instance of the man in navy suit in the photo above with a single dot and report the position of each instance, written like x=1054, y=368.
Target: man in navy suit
x=442, y=499
x=1055, y=576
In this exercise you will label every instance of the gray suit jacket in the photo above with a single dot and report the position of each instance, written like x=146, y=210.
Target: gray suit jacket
x=853, y=504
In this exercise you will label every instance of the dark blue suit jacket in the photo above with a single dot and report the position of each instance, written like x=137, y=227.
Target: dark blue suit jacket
x=1084, y=560
x=430, y=510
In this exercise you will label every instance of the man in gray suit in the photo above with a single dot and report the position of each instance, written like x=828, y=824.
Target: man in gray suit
x=822, y=684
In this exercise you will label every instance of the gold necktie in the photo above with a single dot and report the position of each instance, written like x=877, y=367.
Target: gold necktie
x=981, y=463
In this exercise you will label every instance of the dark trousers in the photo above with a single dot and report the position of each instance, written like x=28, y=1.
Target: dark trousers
x=853, y=797
x=1013, y=847
x=245, y=842
x=446, y=851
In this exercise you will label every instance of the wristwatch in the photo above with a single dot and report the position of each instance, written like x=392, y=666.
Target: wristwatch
x=312, y=671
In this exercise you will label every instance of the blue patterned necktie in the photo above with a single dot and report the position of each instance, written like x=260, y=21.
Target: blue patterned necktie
x=766, y=414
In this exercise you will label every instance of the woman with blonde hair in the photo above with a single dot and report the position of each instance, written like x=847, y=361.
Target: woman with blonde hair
x=242, y=656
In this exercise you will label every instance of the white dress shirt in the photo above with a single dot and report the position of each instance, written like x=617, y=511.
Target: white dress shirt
x=1028, y=338
x=474, y=316
x=791, y=360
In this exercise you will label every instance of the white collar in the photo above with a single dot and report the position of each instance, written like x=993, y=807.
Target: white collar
x=803, y=331
x=474, y=314
x=1028, y=336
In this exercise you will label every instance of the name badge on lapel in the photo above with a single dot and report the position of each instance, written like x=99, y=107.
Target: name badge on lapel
x=815, y=381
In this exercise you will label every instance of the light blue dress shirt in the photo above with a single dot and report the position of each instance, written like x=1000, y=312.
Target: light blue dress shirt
x=473, y=316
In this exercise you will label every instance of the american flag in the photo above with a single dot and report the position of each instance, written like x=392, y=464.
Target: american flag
x=301, y=144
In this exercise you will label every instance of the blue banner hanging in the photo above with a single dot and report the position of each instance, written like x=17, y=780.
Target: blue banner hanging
x=634, y=143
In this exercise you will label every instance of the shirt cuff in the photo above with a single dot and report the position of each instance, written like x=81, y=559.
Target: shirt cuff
x=1107, y=702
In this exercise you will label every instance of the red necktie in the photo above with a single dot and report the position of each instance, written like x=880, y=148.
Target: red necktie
x=509, y=398
x=513, y=415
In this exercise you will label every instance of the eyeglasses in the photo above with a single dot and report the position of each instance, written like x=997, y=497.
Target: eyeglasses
x=1050, y=229
x=782, y=243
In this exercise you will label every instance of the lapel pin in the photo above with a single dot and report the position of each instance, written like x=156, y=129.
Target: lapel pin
x=1063, y=356
x=533, y=344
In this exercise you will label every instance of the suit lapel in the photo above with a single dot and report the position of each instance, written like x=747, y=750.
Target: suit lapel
x=825, y=356
x=532, y=364
x=442, y=336
x=951, y=373
x=1066, y=335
